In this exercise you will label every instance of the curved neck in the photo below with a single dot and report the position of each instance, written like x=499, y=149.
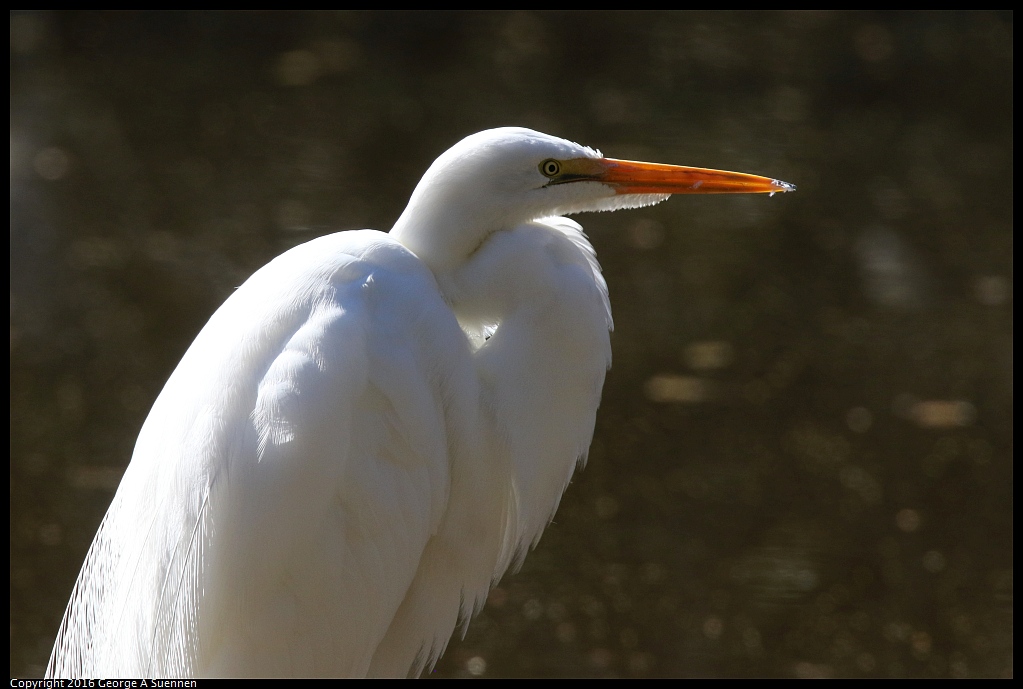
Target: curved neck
x=441, y=245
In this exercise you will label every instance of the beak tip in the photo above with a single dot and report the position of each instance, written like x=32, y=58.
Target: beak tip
x=783, y=186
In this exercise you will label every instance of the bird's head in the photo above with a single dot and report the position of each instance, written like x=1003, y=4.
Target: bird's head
x=500, y=178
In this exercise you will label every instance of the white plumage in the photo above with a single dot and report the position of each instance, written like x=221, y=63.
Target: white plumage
x=368, y=432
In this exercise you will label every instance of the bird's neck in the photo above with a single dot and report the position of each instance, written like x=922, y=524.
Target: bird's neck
x=445, y=230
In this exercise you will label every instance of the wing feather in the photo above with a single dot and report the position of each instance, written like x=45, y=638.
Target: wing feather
x=299, y=453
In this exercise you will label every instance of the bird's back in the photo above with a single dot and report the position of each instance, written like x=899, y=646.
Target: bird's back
x=286, y=481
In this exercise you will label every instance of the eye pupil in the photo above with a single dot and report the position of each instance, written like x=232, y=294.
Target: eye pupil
x=550, y=168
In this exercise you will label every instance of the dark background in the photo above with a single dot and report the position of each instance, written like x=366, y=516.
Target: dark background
x=803, y=460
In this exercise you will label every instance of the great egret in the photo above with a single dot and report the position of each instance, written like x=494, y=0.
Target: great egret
x=370, y=430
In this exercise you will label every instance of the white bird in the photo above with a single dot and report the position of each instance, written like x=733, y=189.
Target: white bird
x=369, y=431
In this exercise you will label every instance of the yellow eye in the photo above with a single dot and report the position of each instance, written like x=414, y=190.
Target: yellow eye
x=550, y=167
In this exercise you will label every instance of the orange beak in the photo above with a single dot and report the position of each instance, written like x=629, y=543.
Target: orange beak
x=631, y=177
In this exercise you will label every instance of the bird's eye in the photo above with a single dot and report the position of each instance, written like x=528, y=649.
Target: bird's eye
x=550, y=167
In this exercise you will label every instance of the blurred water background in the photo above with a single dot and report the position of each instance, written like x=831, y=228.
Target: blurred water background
x=803, y=460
